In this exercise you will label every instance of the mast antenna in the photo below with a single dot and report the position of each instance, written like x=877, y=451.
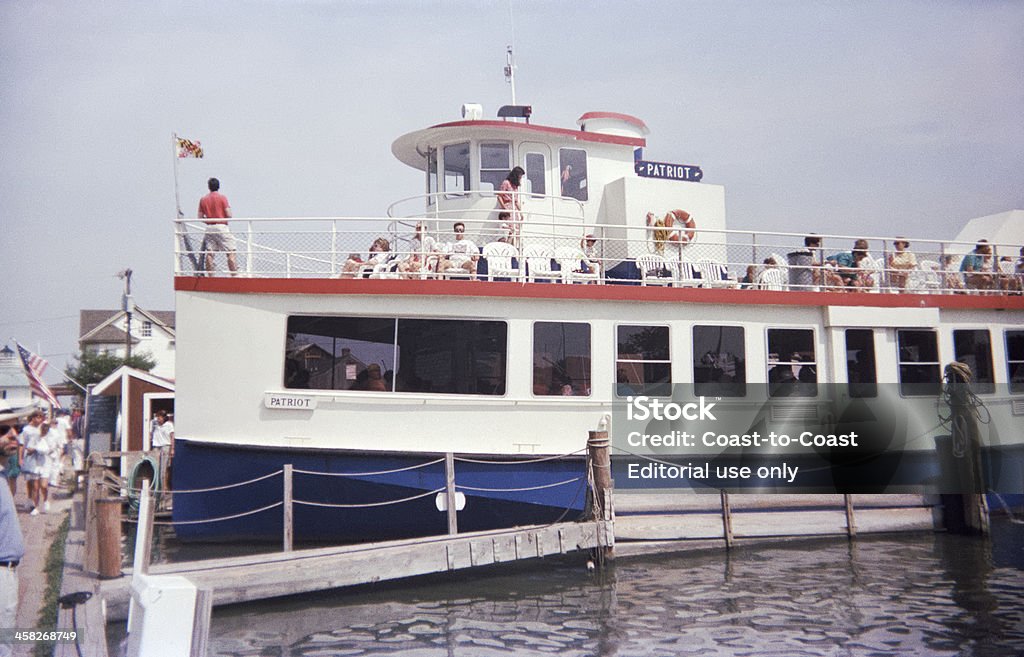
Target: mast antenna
x=510, y=65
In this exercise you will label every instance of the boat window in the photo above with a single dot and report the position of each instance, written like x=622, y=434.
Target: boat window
x=792, y=365
x=1015, y=360
x=974, y=348
x=451, y=356
x=561, y=359
x=456, y=168
x=404, y=355
x=339, y=353
x=642, y=365
x=861, y=378
x=495, y=163
x=431, y=176
x=919, y=363
x=719, y=361
x=572, y=167
x=536, y=171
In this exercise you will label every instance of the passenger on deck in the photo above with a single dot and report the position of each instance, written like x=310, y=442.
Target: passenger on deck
x=462, y=253
x=951, y=279
x=977, y=267
x=1018, y=269
x=510, y=201
x=843, y=269
x=380, y=251
x=749, y=281
x=900, y=263
x=592, y=265
x=424, y=256
x=215, y=210
x=659, y=232
x=813, y=244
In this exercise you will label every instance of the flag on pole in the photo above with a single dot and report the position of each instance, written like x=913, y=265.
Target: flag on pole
x=188, y=148
x=34, y=368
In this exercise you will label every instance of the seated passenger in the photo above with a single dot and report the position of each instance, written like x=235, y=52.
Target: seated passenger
x=977, y=267
x=380, y=251
x=463, y=254
x=843, y=269
x=901, y=262
x=424, y=255
x=592, y=264
x=951, y=279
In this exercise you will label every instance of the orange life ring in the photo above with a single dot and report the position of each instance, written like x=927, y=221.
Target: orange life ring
x=681, y=218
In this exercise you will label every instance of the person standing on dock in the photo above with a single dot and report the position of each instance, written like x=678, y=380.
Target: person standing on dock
x=12, y=545
x=163, y=441
x=216, y=210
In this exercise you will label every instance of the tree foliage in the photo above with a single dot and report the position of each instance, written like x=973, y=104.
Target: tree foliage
x=94, y=367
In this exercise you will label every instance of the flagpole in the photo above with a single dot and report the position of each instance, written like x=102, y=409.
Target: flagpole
x=174, y=152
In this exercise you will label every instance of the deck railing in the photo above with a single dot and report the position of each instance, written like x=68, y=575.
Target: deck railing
x=547, y=247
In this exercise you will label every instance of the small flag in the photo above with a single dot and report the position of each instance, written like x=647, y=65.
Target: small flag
x=188, y=148
x=34, y=368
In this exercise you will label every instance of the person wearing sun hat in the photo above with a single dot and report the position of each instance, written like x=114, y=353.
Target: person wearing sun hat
x=900, y=262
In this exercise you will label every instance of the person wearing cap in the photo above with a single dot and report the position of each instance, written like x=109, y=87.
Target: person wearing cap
x=900, y=263
x=592, y=262
x=12, y=543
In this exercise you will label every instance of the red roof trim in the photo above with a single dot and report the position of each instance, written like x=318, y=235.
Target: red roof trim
x=632, y=120
x=631, y=293
x=579, y=135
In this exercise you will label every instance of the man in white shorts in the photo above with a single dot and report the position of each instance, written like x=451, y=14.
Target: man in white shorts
x=216, y=210
x=462, y=253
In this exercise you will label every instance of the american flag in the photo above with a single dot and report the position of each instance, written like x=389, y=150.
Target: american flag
x=34, y=368
x=188, y=148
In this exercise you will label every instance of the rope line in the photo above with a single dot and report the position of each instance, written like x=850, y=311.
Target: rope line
x=516, y=490
x=200, y=522
x=464, y=459
x=215, y=488
x=368, y=504
x=367, y=474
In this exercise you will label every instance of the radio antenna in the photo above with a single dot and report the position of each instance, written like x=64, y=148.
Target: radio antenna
x=510, y=65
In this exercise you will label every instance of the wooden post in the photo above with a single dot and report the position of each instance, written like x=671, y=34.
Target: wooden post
x=449, y=490
x=201, y=623
x=108, y=526
x=289, y=518
x=851, y=528
x=94, y=491
x=726, y=520
x=144, y=531
x=599, y=452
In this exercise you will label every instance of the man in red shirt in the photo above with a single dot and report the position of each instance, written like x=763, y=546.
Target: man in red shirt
x=216, y=210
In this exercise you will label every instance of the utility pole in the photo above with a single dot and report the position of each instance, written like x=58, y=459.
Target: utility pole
x=127, y=305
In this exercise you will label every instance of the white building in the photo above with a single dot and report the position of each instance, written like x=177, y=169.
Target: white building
x=14, y=388
x=152, y=333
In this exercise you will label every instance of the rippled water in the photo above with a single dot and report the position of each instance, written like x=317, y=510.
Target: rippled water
x=910, y=595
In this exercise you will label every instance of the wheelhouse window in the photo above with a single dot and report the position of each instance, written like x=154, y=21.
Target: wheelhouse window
x=432, y=188
x=642, y=364
x=495, y=163
x=719, y=361
x=1015, y=360
x=561, y=359
x=974, y=348
x=536, y=173
x=572, y=167
x=918, y=363
x=456, y=168
x=399, y=355
x=792, y=364
x=861, y=377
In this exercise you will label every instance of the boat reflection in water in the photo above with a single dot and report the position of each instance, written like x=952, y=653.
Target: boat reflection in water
x=919, y=594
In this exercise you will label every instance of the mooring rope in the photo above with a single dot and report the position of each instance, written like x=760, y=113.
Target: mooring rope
x=368, y=504
x=209, y=490
x=368, y=474
x=200, y=522
x=465, y=459
x=516, y=490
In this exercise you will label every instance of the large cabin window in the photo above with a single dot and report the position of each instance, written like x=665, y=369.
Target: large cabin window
x=432, y=188
x=561, y=359
x=456, y=168
x=642, y=364
x=792, y=364
x=495, y=163
x=403, y=355
x=1015, y=360
x=572, y=167
x=918, y=363
x=536, y=173
x=861, y=377
x=719, y=361
x=974, y=348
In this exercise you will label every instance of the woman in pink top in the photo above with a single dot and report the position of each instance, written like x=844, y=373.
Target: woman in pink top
x=509, y=200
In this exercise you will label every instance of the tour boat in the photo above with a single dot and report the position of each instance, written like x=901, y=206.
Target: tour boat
x=611, y=282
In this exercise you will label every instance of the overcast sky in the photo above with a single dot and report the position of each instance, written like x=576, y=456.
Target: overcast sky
x=884, y=116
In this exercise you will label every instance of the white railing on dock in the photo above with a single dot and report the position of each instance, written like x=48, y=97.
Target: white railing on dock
x=553, y=248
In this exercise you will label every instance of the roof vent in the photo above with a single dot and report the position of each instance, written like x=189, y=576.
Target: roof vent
x=612, y=123
x=472, y=111
x=515, y=112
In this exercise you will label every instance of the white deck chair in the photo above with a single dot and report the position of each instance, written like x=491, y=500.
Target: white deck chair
x=652, y=268
x=772, y=278
x=499, y=257
x=873, y=269
x=569, y=259
x=925, y=278
x=538, y=264
x=713, y=274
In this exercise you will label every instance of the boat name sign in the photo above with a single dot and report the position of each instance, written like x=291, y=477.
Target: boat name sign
x=685, y=172
x=283, y=402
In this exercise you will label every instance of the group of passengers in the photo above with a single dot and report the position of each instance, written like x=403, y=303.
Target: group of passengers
x=857, y=269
